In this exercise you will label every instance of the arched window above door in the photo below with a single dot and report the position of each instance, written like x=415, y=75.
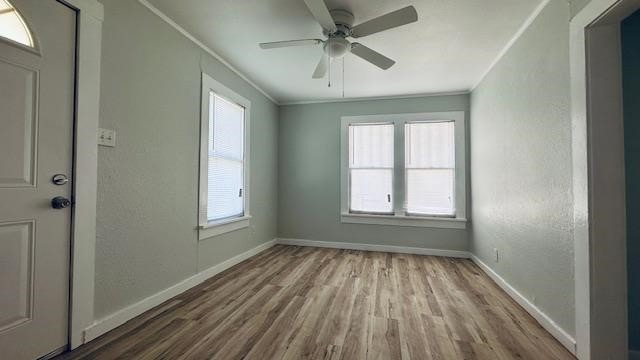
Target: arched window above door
x=13, y=26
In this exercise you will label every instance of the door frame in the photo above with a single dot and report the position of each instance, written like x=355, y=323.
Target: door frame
x=90, y=15
x=598, y=180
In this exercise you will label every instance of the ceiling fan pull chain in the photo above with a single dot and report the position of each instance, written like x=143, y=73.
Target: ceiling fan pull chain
x=343, y=77
x=329, y=67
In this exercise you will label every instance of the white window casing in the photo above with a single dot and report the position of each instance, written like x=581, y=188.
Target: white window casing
x=224, y=192
x=445, y=207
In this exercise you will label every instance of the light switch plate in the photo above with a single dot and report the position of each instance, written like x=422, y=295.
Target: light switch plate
x=106, y=137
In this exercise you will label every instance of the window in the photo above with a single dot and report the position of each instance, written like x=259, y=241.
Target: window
x=371, y=168
x=224, y=204
x=404, y=169
x=12, y=26
x=430, y=168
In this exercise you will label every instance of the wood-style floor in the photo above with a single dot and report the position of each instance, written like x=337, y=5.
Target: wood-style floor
x=300, y=302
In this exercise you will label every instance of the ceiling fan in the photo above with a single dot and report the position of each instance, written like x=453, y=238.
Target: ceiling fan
x=337, y=25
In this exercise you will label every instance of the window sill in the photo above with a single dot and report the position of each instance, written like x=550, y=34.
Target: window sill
x=223, y=226
x=402, y=220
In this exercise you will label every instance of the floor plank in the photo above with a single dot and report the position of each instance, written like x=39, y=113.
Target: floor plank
x=309, y=303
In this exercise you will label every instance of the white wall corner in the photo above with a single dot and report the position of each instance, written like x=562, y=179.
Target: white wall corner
x=525, y=25
x=92, y=8
x=204, y=47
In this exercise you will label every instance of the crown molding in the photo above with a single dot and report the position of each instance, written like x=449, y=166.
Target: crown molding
x=390, y=97
x=527, y=23
x=204, y=47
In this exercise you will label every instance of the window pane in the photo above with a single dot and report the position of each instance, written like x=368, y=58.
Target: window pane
x=371, y=190
x=371, y=146
x=225, y=181
x=226, y=159
x=228, y=132
x=430, y=145
x=12, y=25
x=430, y=191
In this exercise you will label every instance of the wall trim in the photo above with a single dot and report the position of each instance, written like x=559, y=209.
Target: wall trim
x=371, y=247
x=545, y=321
x=90, y=14
x=599, y=240
x=525, y=25
x=389, y=97
x=120, y=317
x=204, y=47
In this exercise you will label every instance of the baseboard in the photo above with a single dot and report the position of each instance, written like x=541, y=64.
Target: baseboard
x=545, y=321
x=216, y=269
x=120, y=317
x=112, y=321
x=565, y=339
x=634, y=354
x=370, y=247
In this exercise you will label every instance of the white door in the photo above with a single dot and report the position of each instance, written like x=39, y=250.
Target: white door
x=37, y=65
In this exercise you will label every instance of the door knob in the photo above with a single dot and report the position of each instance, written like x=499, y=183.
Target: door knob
x=60, y=202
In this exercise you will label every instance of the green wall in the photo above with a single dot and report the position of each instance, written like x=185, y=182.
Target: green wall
x=630, y=33
x=309, y=175
x=521, y=167
x=148, y=184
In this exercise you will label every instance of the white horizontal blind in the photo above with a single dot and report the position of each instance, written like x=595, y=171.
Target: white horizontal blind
x=430, y=168
x=371, y=168
x=226, y=159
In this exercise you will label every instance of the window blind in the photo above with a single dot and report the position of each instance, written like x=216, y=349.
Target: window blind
x=430, y=168
x=226, y=159
x=371, y=168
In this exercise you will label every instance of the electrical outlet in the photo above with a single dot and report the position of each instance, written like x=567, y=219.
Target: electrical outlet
x=497, y=255
x=106, y=137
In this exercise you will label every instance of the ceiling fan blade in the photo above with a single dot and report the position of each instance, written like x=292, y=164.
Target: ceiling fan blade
x=320, y=11
x=371, y=56
x=281, y=44
x=321, y=69
x=391, y=20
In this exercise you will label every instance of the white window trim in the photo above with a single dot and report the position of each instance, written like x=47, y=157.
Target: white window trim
x=401, y=218
x=206, y=228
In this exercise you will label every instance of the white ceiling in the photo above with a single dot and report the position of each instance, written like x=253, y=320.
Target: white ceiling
x=447, y=50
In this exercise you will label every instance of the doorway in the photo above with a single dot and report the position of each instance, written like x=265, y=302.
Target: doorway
x=600, y=212
x=630, y=42
x=37, y=97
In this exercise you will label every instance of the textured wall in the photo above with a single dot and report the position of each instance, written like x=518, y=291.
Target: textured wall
x=148, y=184
x=521, y=167
x=631, y=89
x=576, y=5
x=309, y=175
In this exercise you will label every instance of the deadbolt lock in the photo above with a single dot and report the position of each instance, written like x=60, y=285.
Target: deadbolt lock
x=59, y=179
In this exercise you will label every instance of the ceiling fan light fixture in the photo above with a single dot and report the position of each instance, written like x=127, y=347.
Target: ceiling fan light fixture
x=337, y=47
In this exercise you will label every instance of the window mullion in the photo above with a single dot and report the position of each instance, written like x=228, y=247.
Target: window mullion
x=399, y=169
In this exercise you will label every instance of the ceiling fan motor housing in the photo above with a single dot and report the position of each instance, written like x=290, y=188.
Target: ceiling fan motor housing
x=342, y=17
x=337, y=46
